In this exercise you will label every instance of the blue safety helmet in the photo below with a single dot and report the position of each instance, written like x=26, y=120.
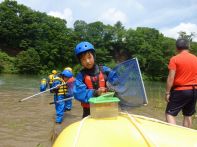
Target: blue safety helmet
x=67, y=73
x=83, y=47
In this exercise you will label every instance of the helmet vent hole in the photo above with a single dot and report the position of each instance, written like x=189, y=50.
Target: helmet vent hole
x=85, y=45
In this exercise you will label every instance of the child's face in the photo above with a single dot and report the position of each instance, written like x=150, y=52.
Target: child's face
x=87, y=60
x=65, y=79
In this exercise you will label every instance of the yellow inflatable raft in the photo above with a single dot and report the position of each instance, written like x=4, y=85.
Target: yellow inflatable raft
x=108, y=128
x=126, y=130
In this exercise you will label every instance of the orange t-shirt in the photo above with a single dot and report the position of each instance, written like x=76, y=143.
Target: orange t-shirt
x=185, y=65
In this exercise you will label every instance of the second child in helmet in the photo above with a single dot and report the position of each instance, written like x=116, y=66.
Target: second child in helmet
x=61, y=92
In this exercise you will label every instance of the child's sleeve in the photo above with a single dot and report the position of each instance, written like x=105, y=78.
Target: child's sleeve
x=80, y=90
x=70, y=85
x=106, y=70
x=112, y=76
x=54, y=84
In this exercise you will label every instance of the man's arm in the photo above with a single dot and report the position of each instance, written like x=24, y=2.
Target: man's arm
x=169, y=84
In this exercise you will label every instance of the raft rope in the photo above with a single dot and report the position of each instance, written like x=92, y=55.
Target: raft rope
x=162, y=122
x=148, y=141
x=79, y=130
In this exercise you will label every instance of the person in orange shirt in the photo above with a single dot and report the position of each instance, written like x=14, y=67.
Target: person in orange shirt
x=181, y=86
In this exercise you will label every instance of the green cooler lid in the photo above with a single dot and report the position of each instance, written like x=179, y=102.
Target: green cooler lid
x=105, y=98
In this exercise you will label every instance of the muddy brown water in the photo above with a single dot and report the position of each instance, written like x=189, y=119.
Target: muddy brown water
x=31, y=123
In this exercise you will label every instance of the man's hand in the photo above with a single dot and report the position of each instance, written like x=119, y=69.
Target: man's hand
x=167, y=97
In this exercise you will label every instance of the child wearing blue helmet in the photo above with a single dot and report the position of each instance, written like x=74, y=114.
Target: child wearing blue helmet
x=91, y=80
x=62, y=92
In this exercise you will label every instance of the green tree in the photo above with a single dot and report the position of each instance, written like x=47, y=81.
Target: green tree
x=80, y=28
x=150, y=52
x=28, y=62
x=10, y=23
x=7, y=63
x=45, y=42
x=118, y=42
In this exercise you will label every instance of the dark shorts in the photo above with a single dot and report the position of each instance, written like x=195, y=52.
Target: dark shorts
x=184, y=100
x=86, y=112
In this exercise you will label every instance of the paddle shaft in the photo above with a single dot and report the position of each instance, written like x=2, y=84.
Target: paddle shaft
x=24, y=99
x=66, y=99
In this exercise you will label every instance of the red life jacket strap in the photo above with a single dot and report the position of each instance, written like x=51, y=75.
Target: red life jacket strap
x=85, y=105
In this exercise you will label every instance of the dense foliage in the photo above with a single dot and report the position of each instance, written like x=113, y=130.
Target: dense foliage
x=39, y=43
x=7, y=63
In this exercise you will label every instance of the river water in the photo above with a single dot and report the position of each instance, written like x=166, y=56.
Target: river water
x=31, y=123
x=25, y=123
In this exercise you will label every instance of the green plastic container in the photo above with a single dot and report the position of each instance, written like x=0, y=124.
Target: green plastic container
x=104, y=106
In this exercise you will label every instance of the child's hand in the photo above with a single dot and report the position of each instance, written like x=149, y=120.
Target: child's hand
x=58, y=86
x=100, y=91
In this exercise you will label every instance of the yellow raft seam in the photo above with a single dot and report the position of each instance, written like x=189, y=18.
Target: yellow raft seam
x=148, y=141
x=78, y=131
x=162, y=122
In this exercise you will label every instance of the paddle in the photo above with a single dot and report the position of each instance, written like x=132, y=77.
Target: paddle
x=66, y=99
x=24, y=99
